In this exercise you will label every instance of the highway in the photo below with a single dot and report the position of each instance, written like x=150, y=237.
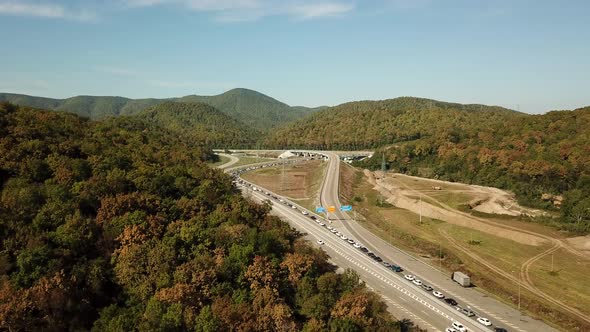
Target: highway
x=404, y=299
x=499, y=313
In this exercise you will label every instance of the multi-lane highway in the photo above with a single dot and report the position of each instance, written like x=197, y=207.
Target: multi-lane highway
x=404, y=298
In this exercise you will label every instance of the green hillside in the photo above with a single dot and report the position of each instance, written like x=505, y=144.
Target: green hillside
x=252, y=108
x=247, y=106
x=118, y=225
x=202, y=123
x=370, y=124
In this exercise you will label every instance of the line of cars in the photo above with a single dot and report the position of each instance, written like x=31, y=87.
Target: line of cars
x=456, y=326
x=466, y=311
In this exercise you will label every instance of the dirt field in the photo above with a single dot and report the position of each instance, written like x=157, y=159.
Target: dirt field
x=299, y=182
x=499, y=252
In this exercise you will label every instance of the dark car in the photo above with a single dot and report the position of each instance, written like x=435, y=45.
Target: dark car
x=364, y=249
x=313, y=217
x=372, y=255
x=451, y=301
x=396, y=268
x=426, y=287
x=500, y=329
x=378, y=259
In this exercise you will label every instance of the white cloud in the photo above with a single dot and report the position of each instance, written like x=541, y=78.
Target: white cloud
x=310, y=11
x=251, y=10
x=44, y=11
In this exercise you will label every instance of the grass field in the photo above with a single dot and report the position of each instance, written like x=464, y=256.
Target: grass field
x=247, y=160
x=299, y=182
x=569, y=281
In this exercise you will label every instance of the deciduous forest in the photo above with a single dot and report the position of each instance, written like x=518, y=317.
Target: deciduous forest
x=119, y=225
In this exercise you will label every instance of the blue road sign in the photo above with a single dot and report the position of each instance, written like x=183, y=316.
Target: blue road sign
x=320, y=209
x=346, y=208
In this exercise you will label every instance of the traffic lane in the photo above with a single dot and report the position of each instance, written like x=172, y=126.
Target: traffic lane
x=493, y=309
x=333, y=246
x=384, y=275
x=330, y=197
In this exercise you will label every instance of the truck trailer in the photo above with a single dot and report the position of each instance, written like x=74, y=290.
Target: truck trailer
x=462, y=279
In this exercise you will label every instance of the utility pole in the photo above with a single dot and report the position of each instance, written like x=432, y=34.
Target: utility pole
x=420, y=208
x=440, y=256
x=518, y=281
x=283, y=179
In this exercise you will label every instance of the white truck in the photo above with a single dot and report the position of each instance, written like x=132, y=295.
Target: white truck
x=462, y=279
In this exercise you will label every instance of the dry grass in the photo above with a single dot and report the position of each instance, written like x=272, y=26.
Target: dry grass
x=246, y=160
x=299, y=182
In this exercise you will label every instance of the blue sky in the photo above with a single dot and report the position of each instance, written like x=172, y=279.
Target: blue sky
x=531, y=55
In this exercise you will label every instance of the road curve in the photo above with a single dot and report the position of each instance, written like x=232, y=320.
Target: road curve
x=230, y=163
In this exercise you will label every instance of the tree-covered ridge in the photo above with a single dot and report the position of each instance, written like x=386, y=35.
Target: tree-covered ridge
x=247, y=106
x=118, y=225
x=201, y=123
x=370, y=124
x=253, y=108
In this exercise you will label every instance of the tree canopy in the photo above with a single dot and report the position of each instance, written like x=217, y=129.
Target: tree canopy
x=118, y=225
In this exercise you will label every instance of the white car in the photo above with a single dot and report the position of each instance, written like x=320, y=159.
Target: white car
x=459, y=327
x=330, y=227
x=321, y=242
x=333, y=230
x=356, y=245
x=305, y=213
x=484, y=321
x=438, y=294
x=343, y=237
x=351, y=241
x=322, y=224
x=338, y=234
x=409, y=277
x=293, y=207
x=417, y=282
x=450, y=329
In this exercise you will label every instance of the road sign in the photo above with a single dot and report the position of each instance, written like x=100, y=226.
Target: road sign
x=346, y=208
x=320, y=209
x=331, y=209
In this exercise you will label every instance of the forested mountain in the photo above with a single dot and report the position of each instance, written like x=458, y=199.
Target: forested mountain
x=247, y=106
x=202, y=123
x=253, y=108
x=370, y=124
x=118, y=225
